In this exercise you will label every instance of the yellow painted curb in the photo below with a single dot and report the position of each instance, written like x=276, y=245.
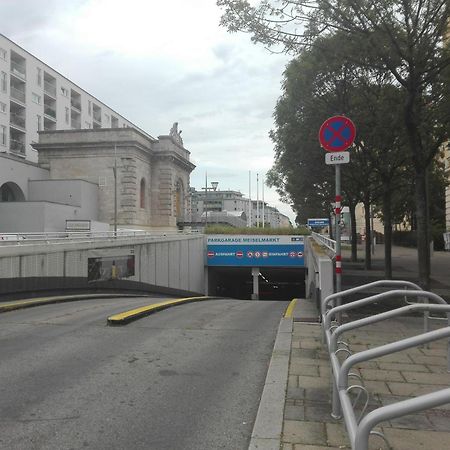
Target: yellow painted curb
x=290, y=308
x=134, y=314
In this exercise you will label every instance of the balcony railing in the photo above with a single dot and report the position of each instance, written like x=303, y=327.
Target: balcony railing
x=17, y=120
x=76, y=124
x=97, y=119
x=17, y=95
x=76, y=105
x=50, y=89
x=17, y=146
x=18, y=70
x=48, y=111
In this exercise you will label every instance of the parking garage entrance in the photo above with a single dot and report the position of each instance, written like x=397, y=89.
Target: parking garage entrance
x=266, y=267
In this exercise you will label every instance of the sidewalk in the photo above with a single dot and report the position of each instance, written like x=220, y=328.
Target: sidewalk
x=307, y=423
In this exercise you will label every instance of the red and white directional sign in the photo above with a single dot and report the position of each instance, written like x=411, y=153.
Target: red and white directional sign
x=337, y=134
x=211, y=254
x=239, y=254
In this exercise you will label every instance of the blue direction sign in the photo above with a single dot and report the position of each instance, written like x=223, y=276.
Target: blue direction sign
x=255, y=251
x=318, y=223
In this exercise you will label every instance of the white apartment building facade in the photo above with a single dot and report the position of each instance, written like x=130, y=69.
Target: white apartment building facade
x=35, y=97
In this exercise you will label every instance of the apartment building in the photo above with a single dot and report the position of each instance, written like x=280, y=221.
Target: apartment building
x=35, y=97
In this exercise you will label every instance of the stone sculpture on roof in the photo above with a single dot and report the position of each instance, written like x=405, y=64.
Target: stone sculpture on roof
x=175, y=134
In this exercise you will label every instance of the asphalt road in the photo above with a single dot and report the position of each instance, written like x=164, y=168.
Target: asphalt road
x=189, y=377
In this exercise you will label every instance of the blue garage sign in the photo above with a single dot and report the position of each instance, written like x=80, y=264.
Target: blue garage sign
x=318, y=223
x=255, y=251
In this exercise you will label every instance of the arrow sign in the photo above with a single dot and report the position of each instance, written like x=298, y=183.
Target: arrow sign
x=337, y=134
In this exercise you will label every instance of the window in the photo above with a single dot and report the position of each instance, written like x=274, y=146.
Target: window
x=39, y=76
x=67, y=115
x=3, y=83
x=89, y=107
x=3, y=53
x=64, y=91
x=2, y=135
x=36, y=98
x=142, y=196
x=3, y=107
x=39, y=122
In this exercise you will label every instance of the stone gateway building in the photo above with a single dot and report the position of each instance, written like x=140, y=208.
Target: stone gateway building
x=149, y=177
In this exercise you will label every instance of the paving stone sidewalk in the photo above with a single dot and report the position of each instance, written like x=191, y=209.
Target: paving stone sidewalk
x=308, y=424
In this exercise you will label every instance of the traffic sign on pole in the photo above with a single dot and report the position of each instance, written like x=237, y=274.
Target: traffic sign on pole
x=337, y=134
x=332, y=158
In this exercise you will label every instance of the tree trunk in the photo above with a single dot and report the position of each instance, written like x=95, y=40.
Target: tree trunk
x=368, y=256
x=352, y=208
x=387, y=215
x=423, y=245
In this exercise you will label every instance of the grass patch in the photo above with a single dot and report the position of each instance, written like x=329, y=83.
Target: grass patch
x=223, y=229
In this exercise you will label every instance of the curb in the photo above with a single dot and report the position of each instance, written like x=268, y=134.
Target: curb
x=268, y=427
x=22, y=304
x=126, y=317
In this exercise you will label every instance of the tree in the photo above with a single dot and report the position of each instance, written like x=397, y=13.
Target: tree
x=405, y=38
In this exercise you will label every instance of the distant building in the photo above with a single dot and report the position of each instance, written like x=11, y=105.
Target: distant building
x=217, y=205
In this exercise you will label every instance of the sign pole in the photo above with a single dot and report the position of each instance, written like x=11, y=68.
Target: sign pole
x=336, y=135
x=337, y=212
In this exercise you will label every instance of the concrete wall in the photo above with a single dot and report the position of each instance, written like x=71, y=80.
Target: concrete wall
x=320, y=272
x=77, y=193
x=28, y=217
x=168, y=264
x=19, y=172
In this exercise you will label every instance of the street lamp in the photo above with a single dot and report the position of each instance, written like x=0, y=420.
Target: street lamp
x=213, y=187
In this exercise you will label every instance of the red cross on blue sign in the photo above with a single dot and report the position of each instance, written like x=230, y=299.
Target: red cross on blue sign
x=337, y=134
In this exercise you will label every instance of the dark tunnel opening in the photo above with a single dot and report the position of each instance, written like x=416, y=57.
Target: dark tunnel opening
x=274, y=283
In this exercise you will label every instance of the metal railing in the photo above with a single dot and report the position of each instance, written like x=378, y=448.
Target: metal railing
x=18, y=95
x=361, y=428
x=17, y=146
x=79, y=236
x=17, y=120
x=50, y=89
x=49, y=111
x=326, y=241
x=19, y=70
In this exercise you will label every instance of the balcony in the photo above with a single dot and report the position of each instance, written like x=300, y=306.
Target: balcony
x=18, y=95
x=49, y=111
x=18, y=70
x=75, y=123
x=17, y=146
x=17, y=120
x=50, y=89
x=49, y=124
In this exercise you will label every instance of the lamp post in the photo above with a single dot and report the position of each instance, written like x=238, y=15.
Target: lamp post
x=213, y=187
x=115, y=190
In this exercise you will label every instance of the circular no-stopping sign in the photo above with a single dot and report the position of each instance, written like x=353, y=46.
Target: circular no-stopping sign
x=337, y=134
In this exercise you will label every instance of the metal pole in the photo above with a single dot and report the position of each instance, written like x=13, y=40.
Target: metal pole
x=250, y=206
x=338, y=200
x=257, y=200
x=115, y=190
x=206, y=199
x=263, y=209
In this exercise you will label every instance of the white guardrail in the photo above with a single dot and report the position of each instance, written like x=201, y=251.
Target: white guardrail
x=324, y=240
x=347, y=396
x=72, y=236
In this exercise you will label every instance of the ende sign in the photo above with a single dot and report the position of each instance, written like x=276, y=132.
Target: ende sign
x=337, y=158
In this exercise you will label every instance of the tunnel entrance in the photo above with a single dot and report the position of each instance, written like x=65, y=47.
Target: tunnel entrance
x=274, y=283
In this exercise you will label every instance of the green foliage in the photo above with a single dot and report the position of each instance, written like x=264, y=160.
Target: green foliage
x=223, y=229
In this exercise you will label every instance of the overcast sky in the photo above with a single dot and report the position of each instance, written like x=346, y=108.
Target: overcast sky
x=158, y=62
